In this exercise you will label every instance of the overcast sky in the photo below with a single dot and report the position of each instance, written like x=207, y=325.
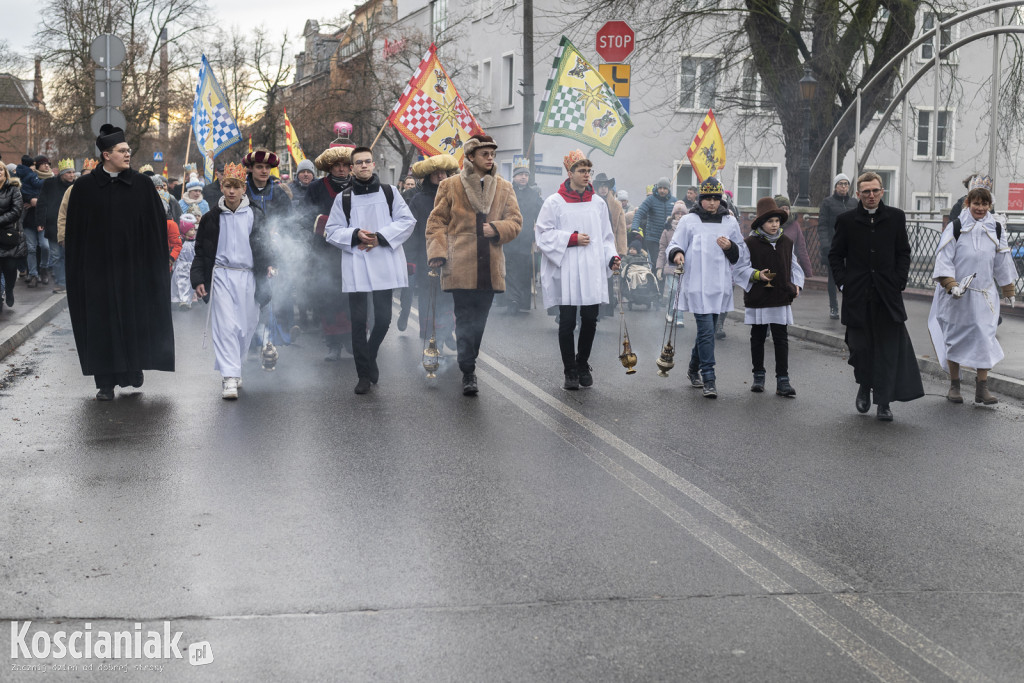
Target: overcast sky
x=20, y=18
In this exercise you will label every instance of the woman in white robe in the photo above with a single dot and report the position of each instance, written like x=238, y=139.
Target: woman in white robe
x=574, y=234
x=964, y=317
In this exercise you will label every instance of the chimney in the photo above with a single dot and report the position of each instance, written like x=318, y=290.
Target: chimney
x=37, y=87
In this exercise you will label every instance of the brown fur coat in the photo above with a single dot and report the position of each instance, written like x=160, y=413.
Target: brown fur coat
x=455, y=229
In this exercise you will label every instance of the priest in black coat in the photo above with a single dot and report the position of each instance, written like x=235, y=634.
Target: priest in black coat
x=870, y=260
x=117, y=275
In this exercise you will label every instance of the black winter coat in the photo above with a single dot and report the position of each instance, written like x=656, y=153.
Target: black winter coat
x=530, y=203
x=831, y=208
x=870, y=255
x=48, y=205
x=207, y=238
x=10, y=219
x=421, y=204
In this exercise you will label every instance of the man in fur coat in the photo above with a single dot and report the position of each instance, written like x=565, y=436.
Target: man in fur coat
x=474, y=214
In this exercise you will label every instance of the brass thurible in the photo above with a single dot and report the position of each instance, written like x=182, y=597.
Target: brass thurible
x=666, y=360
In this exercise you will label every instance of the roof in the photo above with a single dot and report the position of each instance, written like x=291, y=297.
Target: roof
x=13, y=93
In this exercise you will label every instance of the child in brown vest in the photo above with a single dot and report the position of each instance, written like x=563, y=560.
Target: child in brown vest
x=775, y=280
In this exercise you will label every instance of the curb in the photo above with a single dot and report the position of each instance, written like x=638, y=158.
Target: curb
x=43, y=313
x=1002, y=384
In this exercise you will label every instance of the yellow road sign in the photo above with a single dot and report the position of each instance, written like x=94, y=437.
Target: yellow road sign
x=617, y=76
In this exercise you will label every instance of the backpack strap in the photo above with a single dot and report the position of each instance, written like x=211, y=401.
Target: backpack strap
x=999, y=231
x=346, y=201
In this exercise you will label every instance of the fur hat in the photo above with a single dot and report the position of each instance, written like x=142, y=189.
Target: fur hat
x=331, y=156
x=479, y=141
x=573, y=158
x=233, y=172
x=438, y=162
x=261, y=156
x=109, y=136
x=305, y=165
x=711, y=187
x=186, y=222
x=602, y=179
x=767, y=208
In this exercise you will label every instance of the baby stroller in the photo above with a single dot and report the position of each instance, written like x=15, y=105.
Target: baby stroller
x=639, y=285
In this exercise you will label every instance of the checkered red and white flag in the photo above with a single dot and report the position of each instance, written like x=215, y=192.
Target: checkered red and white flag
x=431, y=114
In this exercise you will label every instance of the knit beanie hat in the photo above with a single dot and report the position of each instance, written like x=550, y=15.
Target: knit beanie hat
x=841, y=176
x=622, y=196
x=306, y=165
x=26, y=160
x=664, y=182
x=782, y=200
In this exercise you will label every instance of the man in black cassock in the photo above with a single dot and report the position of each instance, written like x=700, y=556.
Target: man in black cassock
x=117, y=275
x=870, y=260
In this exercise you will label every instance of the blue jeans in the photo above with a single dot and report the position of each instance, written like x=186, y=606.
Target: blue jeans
x=703, y=355
x=56, y=264
x=39, y=246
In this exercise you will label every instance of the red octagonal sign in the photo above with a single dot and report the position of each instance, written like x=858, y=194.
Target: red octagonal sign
x=615, y=41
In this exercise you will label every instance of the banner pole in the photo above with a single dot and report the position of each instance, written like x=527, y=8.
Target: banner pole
x=188, y=144
x=379, y=133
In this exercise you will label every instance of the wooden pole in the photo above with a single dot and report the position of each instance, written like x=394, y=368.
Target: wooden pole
x=379, y=133
x=188, y=145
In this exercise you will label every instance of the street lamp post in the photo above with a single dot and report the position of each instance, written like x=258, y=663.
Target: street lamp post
x=807, y=87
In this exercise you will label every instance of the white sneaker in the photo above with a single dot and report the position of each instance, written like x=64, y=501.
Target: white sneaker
x=668, y=317
x=239, y=380
x=229, y=388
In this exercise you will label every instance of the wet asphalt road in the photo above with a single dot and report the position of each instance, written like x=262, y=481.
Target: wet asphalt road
x=633, y=531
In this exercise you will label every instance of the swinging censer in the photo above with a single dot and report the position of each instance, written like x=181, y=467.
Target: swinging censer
x=666, y=361
x=431, y=356
x=627, y=357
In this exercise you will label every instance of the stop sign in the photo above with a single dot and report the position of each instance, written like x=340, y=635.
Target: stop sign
x=615, y=41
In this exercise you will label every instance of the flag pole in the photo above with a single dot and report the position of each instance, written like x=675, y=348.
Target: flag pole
x=188, y=144
x=379, y=133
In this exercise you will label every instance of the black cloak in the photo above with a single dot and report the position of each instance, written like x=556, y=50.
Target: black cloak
x=117, y=275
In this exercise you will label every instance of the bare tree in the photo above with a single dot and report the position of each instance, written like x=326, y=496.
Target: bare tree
x=272, y=66
x=11, y=61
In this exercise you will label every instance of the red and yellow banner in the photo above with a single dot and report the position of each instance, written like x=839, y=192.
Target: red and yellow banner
x=707, y=151
x=431, y=114
x=292, y=140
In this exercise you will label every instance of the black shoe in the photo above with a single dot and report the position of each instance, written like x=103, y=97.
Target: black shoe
x=469, y=387
x=32, y=281
x=784, y=388
x=363, y=385
x=10, y=297
x=696, y=381
x=833, y=313
x=884, y=413
x=403, y=319
x=105, y=394
x=572, y=380
x=374, y=373
x=757, y=386
x=137, y=379
x=709, y=389
x=44, y=276
x=863, y=399
x=583, y=371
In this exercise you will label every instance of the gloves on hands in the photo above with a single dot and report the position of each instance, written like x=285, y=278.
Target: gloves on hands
x=956, y=291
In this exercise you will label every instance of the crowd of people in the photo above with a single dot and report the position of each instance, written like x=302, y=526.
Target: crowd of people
x=330, y=251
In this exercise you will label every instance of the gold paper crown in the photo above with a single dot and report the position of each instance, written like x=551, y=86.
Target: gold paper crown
x=88, y=165
x=234, y=172
x=65, y=165
x=572, y=158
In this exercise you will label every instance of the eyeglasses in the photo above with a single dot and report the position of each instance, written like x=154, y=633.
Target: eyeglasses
x=584, y=171
x=362, y=162
x=126, y=151
x=871, y=190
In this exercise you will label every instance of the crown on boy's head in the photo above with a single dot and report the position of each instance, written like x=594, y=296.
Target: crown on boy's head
x=234, y=172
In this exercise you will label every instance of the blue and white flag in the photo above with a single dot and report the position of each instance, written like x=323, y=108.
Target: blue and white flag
x=213, y=126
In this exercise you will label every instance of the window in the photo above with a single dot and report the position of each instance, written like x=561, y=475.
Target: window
x=753, y=182
x=926, y=202
x=685, y=177
x=945, y=35
x=697, y=78
x=485, y=87
x=508, y=80
x=934, y=134
x=750, y=86
x=438, y=16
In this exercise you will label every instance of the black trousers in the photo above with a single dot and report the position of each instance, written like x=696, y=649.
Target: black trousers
x=471, y=309
x=882, y=357
x=365, y=350
x=780, y=337
x=833, y=293
x=9, y=269
x=571, y=357
x=518, y=275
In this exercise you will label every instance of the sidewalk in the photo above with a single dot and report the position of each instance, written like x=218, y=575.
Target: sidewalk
x=33, y=308
x=811, y=322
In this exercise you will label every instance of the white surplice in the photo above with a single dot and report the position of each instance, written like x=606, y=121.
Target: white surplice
x=234, y=312
x=964, y=330
x=708, y=276
x=574, y=276
x=383, y=267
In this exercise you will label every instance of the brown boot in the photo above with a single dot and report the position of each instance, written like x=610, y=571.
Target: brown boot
x=982, y=395
x=953, y=395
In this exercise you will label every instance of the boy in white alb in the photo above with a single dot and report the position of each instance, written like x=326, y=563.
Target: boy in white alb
x=369, y=222
x=574, y=233
x=229, y=272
